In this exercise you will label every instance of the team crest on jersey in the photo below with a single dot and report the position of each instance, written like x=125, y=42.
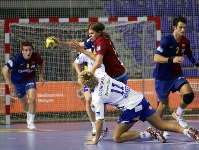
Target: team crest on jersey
x=27, y=66
x=183, y=46
x=160, y=49
x=32, y=66
x=98, y=48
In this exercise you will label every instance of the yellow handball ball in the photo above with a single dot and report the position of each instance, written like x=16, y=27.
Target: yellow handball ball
x=51, y=43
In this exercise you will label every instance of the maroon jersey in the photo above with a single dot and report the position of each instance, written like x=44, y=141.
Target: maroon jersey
x=112, y=65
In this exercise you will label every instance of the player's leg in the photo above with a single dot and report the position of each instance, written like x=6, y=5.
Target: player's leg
x=90, y=113
x=158, y=123
x=21, y=94
x=31, y=94
x=162, y=107
x=32, y=107
x=187, y=98
x=128, y=118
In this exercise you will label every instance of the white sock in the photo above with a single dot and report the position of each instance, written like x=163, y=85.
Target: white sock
x=145, y=134
x=31, y=117
x=28, y=113
x=185, y=132
x=104, y=125
x=179, y=111
x=93, y=124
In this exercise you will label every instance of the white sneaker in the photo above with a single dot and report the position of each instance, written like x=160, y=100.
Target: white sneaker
x=193, y=133
x=103, y=134
x=31, y=125
x=180, y=120
x=156, y=135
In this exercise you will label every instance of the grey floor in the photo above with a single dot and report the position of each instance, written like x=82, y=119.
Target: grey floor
x=72, y=136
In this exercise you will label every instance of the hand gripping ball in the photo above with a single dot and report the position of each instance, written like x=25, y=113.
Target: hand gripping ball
x=51, y=43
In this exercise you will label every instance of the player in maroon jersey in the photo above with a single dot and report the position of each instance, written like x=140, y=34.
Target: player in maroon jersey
x=21, y=80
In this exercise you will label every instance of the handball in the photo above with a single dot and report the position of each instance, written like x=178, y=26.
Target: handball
x=51, y=43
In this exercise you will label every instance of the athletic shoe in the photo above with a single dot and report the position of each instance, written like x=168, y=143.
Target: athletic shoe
x=180, y=120
x=164, y=133
x=156, y=135
x=93, y=131
x=31, y=125
x=103, y=134
x=193, y=133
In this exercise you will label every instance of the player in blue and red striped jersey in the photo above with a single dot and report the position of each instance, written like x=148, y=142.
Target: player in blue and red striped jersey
x=21, y=80
x=168, y=73
x=104, y=52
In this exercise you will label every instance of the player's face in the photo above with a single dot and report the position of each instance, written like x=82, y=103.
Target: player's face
x=27, y=52
x=93, y=35
x=180, y=29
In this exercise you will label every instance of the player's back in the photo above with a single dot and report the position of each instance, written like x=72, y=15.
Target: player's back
x=114, y=93
x=112, y=64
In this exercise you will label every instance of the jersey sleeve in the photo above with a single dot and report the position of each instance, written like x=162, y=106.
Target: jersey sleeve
x=39, y=58
x=100, y=47
x=88, y=43
x=12, y=62
x=162, y=47
x=81, y=58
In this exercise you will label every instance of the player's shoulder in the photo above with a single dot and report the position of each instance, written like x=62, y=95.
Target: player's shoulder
x=18, y=56
x=167, y=37
x=184, y=39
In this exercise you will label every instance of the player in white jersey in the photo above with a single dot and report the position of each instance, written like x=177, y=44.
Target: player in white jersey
x=81, y=58
x=106, y=90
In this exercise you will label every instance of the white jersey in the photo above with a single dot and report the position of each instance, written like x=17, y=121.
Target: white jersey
x=84, y=58
x=114, y=93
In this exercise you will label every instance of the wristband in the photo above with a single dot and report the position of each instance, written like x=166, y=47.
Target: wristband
x=170, y=60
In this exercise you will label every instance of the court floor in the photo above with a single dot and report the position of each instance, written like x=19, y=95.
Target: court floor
x=72, y=136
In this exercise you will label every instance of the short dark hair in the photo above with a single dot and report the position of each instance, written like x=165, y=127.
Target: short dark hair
x=26, y=43
x=179, y=19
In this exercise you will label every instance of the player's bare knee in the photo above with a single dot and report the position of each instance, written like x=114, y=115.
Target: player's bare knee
x=165, y=105
x=32, y=100
x=188, y=98
x=116, y=139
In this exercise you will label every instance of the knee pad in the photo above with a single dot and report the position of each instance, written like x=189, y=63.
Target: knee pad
x=188, y=98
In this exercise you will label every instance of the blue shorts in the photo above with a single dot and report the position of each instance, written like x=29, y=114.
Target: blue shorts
x=22, y=88
x=142, y=111
x=123, y=78
x=163, y=88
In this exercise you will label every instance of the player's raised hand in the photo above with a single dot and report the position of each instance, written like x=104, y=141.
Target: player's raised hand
x=77, y=47
x=55, y=39
x=178, y=59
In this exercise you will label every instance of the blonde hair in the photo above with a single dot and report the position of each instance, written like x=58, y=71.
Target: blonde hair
x=88, y=79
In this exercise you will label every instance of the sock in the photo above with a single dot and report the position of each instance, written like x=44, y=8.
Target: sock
x=27, y=113
x=185, y=132
x=104, y=125
x=31, y=117
x=145, y=134
x=179, y=111
x=93, y=124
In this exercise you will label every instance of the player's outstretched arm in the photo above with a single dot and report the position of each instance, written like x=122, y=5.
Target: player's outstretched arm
x=67, y=43
x=78, y=48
